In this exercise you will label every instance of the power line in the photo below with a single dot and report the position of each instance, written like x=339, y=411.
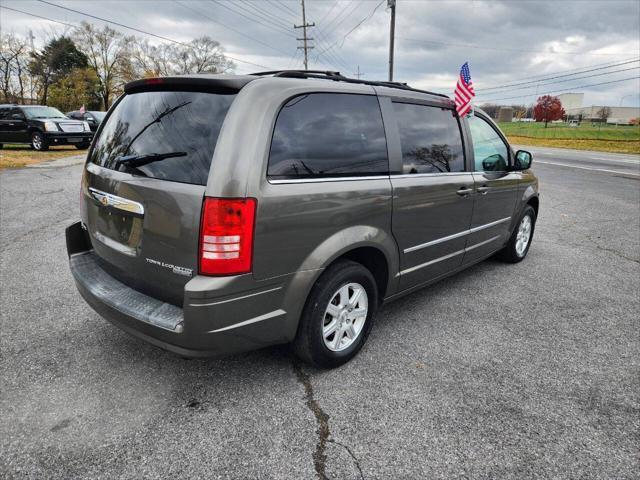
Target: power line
x=142, y=31
x=114, y=23
x=344, y=17
x=272, y=27
x=331, y=56
x=567, y=89
x=467, y=45
x=324, y=17
x=534, y=82
x=354, y=28
x=348, y=15
x=229, y=28
x=256, y=18
x=284, y=5
x=268, y=16
x=560, y=81
x=329, y=51
x=38, y=16
x=609, y=63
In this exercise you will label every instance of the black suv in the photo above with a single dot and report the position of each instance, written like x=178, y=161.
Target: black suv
x=41, y=127
x=93, y=118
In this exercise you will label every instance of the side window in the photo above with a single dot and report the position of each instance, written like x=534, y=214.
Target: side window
x=490, y=152
x=4, y=113
x=329, y=134
x=16, y=111
x=430, y=139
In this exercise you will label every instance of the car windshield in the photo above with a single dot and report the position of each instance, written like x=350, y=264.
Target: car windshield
x=98, y=115
x=43, y=112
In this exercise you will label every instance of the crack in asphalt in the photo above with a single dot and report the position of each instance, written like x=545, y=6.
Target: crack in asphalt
x=355, y=459
x=324, y=434
x=610, y=250
x=573, y=224
x=319, y=456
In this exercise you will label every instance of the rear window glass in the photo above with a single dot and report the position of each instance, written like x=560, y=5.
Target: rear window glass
x=430, y=139
x=326, y=134
x=180, y=128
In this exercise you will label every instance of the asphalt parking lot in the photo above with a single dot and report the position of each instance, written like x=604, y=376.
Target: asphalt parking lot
x=502, y=371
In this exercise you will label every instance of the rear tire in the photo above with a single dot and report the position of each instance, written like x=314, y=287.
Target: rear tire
x=338, y=315
x=38, y=142
x=516, y=250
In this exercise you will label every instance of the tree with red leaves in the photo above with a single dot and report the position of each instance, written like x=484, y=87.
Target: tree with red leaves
x=548, y=109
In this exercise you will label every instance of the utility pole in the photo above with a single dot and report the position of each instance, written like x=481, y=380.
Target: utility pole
x=392, y=33
x=358, y=75
x=304, y=38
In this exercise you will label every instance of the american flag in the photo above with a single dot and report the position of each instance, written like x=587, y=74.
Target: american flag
x=464, y=91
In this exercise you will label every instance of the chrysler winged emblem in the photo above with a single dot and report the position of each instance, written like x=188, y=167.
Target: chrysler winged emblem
x=113, y=201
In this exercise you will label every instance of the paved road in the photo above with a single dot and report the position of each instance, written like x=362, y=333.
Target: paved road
x=617, y=163
x=502, y=371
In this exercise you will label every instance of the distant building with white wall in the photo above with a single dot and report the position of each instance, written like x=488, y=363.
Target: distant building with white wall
x=571, y=100
x=621, y=115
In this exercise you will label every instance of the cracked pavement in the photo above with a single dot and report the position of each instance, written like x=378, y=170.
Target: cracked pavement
x=501, y=371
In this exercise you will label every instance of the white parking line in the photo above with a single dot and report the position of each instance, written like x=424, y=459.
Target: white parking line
x=619, y=172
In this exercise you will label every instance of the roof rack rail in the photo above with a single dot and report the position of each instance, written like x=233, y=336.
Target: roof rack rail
x=338, y=77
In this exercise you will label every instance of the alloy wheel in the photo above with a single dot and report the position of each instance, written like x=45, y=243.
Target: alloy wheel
x=524, y=235
x=37, y=142
x=345, y=317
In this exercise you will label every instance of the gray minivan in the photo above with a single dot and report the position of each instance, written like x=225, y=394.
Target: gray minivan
x=224, y=213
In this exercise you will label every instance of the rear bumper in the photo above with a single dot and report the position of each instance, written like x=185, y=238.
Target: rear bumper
x=220, y=315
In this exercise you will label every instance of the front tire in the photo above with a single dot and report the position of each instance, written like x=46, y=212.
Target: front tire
x=38, y=142
x=338, y=315
x=516, y=250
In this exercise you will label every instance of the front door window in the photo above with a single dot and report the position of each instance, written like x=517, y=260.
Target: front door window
x=490, y=152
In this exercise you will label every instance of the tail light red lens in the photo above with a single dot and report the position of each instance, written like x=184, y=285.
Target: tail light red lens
x=226, y=236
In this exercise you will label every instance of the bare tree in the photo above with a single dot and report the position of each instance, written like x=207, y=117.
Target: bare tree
x=151, y=60
x=201, y=55
x=14, y=60
x=490, y=109
x=603, y=114
x=107, y=51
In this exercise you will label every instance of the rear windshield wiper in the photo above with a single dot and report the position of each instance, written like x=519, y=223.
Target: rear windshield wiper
x=140, y=160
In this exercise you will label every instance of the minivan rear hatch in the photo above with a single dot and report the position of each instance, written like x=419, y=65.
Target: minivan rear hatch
x=146, y=174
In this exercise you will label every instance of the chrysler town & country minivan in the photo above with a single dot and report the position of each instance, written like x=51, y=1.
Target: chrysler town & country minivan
x=226, y=213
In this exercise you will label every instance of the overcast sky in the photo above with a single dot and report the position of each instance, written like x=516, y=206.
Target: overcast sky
x=504, y=42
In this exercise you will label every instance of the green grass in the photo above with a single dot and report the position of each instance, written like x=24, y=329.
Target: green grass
x=16, y=156
x=562, y=131
x=604, y=138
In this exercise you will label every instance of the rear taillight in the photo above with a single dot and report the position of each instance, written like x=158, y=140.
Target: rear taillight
x=226, y=236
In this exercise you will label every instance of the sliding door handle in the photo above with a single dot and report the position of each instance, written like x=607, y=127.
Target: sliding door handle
x=464, y=191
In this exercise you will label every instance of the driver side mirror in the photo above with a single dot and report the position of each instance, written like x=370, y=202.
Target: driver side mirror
x=17, y=116
x=523, y=160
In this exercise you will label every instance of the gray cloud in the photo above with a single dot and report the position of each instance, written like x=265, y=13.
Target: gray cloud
x=510, y=40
